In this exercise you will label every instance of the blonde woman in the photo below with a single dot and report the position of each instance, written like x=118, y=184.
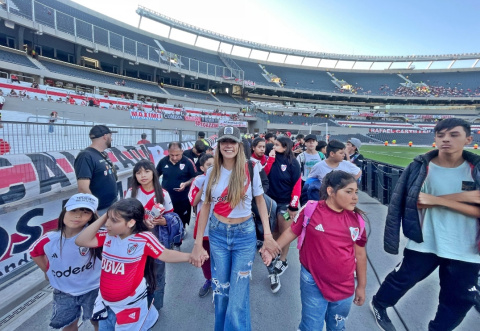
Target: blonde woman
x=227, y=211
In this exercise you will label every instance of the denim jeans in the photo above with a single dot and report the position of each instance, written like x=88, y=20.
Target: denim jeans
x=232, y=251
x=160, y=289
x=316, y=309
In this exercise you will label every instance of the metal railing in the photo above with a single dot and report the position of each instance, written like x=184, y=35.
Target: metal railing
x=34, y=137
x=379, y=179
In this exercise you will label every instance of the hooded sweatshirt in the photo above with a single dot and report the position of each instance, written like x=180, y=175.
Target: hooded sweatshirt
x=285, y=181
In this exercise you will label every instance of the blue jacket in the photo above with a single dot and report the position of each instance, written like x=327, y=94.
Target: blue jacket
x=311, y=190
x=172, y=233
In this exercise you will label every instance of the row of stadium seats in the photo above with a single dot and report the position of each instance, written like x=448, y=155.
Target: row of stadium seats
x=299, y=120
x=16, y=59
x=96, y=29
x=190, y=94
x=97, y=77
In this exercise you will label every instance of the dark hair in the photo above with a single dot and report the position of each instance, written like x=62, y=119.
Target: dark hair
x=269, y=135
x=175, y=144
x=204, y=158
x=288, y=145
x=321, y=144
x=300, y=136
x=256, y=141
x=337, y=179
x=147, y=165
x=200, y=146
x=208, y=148
x=450, y=123
x=334, y=146
x=129, y=209
x=246, y=148
x=144, y=135
x=201, y=134
x=268, y=148
x=93, y=252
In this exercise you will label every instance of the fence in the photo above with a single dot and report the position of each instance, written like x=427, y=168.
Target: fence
x=379, y=179
x=32, y=137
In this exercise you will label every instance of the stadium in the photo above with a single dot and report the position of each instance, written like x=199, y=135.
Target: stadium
x=58, y=56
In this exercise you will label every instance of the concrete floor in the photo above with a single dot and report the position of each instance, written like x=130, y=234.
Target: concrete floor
x=184, y=310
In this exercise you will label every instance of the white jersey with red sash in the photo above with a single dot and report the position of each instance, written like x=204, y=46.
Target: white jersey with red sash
x=220, y=192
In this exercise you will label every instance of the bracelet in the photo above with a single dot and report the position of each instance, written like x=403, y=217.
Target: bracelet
x=267, y=234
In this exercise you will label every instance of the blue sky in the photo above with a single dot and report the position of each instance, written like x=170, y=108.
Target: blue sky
x=360, y=27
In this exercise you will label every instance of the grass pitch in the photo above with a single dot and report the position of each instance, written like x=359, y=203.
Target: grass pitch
x=397, y=155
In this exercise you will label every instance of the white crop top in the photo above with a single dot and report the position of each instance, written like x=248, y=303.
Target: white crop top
x=220, y=191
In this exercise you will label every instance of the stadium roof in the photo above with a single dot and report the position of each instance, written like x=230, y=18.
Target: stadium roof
x=173, y=23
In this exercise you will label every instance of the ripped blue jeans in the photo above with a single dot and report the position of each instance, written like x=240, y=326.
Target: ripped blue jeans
x=316, y=310
x=232, y=250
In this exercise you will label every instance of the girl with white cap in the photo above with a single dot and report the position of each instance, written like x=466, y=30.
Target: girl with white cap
x=73, y=271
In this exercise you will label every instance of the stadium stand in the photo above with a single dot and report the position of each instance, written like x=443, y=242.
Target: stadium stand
x=131, y=33
x=191, y=53
x=371, y=83
x=253, y=72
x=226, y=98
x=300, y=120
x=303, y=78
x=190, y=94
x=241, y=101
x=76, y=71
x=16, y=59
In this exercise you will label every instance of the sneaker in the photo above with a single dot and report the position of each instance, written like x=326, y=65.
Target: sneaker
x=205, y=288
x=381, y=317
x=280, y=267
x=274, y=282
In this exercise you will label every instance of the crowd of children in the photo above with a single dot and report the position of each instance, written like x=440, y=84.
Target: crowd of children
x=245, y=200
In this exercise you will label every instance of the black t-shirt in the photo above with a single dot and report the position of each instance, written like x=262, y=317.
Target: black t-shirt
x=92, y=165
x=175, y=174
x=195, y=158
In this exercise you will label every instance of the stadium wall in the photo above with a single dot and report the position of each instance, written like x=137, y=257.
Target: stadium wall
x=34, y=188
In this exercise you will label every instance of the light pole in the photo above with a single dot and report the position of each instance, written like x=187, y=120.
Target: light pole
x=321, y=124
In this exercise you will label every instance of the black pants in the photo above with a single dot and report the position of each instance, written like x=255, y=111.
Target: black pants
x=457, y=280
x=183, y=209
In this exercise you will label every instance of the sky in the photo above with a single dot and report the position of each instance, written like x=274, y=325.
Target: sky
x=366, y=27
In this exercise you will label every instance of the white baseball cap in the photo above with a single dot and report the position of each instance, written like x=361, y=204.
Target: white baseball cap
x=82, y=200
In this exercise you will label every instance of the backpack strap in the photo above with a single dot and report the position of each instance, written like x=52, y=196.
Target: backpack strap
x=251, y=173
x=302, y=162
x=361, y=222
x=307, y=215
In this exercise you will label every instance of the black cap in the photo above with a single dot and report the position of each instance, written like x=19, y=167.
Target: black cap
x=201, y=134
x=310, y=137
x=99, y=131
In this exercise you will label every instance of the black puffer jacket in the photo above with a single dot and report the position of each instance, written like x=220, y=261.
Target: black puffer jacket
x=403, y=204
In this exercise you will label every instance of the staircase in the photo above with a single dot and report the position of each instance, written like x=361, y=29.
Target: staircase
x=37, y=63
x=235, y=69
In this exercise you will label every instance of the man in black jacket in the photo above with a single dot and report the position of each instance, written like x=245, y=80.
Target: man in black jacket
x=437, y=202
